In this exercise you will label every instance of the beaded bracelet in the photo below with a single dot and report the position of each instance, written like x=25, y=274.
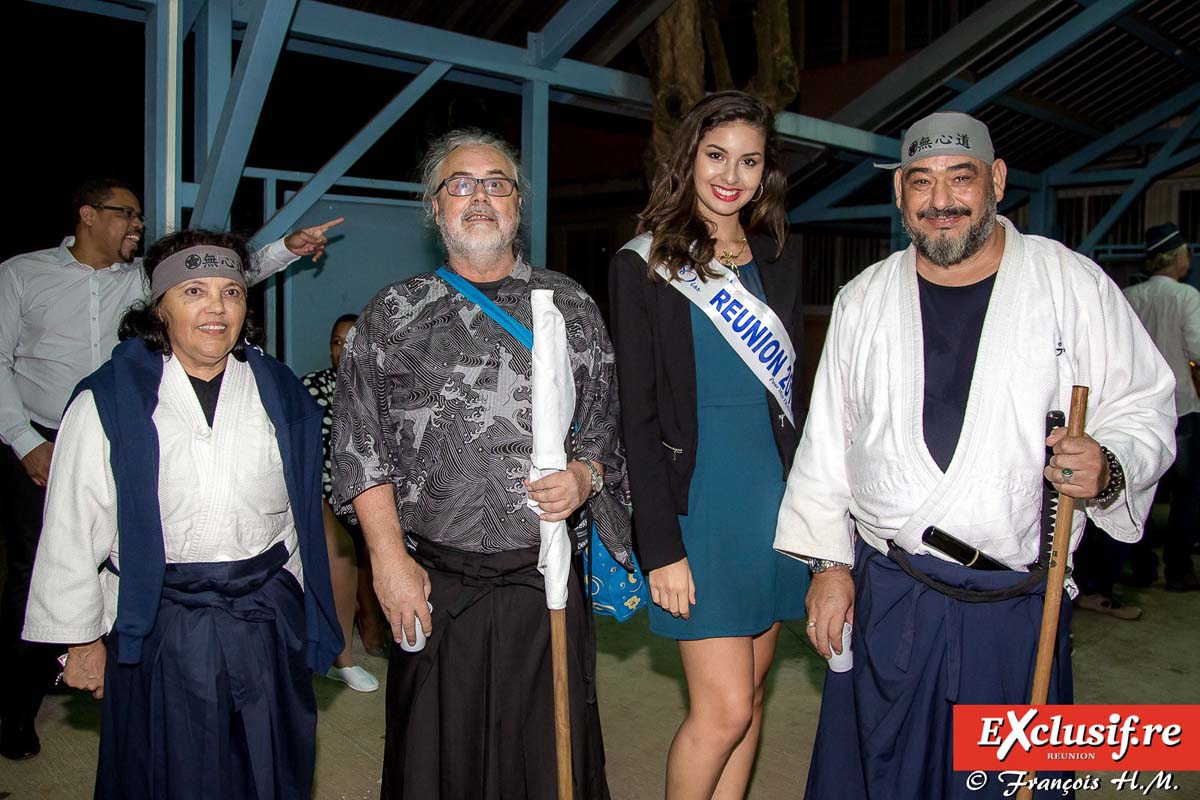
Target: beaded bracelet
x=1116, y=479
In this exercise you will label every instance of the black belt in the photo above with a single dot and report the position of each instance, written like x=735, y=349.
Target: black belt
x=900, y=556
x=482, y=572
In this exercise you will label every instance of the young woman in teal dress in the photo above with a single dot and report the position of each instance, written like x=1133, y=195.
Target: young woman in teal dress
x=708, y=445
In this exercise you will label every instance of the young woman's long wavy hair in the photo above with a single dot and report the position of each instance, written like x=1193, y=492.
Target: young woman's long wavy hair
x=681, y=235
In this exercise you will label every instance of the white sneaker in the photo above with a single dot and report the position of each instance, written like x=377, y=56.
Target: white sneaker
x=355, y=677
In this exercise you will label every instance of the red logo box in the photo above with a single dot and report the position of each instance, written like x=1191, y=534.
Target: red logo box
x=1085, y=738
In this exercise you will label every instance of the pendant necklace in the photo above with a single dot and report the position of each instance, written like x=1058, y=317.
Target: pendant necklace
x=729, y=259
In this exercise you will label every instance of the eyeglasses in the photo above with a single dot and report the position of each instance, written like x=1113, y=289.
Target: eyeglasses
x=464, y=186
x=125, y=211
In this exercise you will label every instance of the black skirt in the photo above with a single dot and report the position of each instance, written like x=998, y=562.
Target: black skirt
x=472, y=714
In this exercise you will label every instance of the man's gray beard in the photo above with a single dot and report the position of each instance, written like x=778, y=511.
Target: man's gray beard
x=944, y=251
x=480, y=246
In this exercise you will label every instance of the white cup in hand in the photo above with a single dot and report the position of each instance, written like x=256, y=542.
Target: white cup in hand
x=843, y=662
x=419, y=644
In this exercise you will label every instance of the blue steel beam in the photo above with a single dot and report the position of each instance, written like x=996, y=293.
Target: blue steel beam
x=797, y=127
x=350, y=35
x=321, y=22
x=478, y=80
x=972, y=38
x=190, y=14
x=1016, y=69
x=214, y=57
x=565, y=29
x=346, y=180
x=1157, y=38
x=336, y=167
x=535, y=157
x=1152, y=171
x=628, y=28
x=1181, y=159
x=255, y=66
x=1139, y=124
x=163, y=116
x=133, y=11
x=1154, y=137
x=1043, y=210
x=1046, y=49
x=1060, y=117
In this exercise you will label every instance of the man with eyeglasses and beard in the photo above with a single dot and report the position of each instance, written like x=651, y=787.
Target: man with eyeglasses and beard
x=59, y=312
x=432, y=442
x=923, y=460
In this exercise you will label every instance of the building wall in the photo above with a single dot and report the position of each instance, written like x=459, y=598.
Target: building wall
x=377, y=245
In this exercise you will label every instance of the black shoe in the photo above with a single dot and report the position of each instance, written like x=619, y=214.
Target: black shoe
x=1188, y=583
x=19, y=740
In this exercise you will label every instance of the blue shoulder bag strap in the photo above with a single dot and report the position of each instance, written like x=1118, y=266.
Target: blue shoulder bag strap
x=621, y=593
x=502, y=317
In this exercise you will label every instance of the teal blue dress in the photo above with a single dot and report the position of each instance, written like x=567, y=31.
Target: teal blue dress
x=742, y=585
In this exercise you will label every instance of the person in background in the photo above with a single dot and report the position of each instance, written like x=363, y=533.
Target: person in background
x=343, y=549
x=1169, y=308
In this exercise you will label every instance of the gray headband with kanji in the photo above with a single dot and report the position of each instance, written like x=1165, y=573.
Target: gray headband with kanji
x=945, y=133
x=199, y=261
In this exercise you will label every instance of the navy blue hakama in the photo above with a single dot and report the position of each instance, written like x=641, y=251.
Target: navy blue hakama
x=885, y=731
x=221, y=704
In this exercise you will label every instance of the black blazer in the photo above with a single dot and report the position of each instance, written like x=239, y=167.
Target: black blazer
x=656, y=371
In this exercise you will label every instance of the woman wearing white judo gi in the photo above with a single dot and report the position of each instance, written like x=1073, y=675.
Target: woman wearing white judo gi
x=708, y=436
x=182, y=521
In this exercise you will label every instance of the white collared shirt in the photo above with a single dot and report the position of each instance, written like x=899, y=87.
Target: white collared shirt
x=1170, y=311
x=58, y=324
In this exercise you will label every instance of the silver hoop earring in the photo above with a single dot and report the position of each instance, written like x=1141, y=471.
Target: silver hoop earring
x=757, y=194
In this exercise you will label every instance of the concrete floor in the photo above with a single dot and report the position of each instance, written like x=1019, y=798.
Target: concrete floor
x=1154, y=660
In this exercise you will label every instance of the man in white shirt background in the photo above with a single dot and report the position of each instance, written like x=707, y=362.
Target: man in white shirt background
x=59, y=312
x=1170, y=311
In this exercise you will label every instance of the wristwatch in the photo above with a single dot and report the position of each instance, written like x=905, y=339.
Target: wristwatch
x=597, y=480
x=818, y=565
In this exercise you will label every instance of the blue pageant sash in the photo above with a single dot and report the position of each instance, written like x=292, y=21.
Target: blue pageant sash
x=614, y=590
x=748, y=325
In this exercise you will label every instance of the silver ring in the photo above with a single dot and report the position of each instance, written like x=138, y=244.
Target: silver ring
x=1067, y=473
x=812, y=624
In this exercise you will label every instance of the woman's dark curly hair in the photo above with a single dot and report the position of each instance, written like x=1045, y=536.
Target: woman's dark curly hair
x=681, y=236
x=143, y=318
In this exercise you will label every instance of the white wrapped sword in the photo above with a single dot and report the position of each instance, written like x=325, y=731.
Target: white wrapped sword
x=553, y=410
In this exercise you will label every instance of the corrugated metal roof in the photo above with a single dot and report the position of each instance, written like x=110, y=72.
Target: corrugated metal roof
x=1102, y=82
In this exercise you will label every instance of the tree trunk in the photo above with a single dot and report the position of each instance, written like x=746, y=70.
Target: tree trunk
x=722, y=76
x=675, y=51
x=777, y=80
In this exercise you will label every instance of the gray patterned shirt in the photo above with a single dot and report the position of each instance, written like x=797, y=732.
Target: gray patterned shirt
x=434, y=397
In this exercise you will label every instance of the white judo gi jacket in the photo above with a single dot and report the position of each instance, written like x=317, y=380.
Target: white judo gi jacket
x=1054, y=320
x=221, y=493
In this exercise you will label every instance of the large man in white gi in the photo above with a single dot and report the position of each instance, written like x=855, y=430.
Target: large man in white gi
x=928, y=416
